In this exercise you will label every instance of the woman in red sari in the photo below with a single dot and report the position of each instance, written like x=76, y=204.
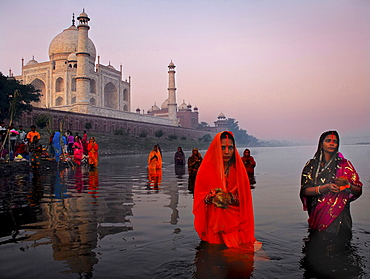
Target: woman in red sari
x=249, y=164
x=223, y=210
x=329, y=183
x=93, y=148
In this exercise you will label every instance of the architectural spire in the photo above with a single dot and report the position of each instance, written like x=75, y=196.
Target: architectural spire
x=83, y=62
x=83, y=19
x=172, y=106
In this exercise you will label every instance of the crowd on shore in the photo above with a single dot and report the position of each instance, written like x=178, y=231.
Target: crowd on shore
x=18, y=145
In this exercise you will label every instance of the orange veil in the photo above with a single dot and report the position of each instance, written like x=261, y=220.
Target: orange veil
x=234, y=225
x=157, y=163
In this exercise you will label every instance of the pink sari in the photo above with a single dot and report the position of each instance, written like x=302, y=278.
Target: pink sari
x=78, y=152
x=323, y=210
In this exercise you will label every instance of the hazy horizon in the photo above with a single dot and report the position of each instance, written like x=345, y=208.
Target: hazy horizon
x=286, y=70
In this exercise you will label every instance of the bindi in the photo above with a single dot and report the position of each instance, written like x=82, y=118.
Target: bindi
x=227, y=141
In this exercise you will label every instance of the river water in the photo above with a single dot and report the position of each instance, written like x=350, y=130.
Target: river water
x=115, y=223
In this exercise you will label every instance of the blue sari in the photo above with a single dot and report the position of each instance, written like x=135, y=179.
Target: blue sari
x=57, y=147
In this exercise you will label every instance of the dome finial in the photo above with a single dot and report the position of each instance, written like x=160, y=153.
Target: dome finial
x=73, y=19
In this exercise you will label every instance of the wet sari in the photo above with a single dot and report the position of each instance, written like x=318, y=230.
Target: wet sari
x=57, y=146
x=233, y=225
x=78, y=152
x=155, y=160
x=92, y=148
x=329, y=212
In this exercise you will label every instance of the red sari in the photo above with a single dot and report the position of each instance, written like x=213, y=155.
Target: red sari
x=92, y=149
x=234, y=225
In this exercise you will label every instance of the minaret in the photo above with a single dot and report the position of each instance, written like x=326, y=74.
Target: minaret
x=172, y=106
x=82, y=77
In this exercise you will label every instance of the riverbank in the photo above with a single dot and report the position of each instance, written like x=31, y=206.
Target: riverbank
x=108, y=145
x=126, y=144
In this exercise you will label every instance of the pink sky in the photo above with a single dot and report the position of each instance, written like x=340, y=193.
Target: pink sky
x=283, y=69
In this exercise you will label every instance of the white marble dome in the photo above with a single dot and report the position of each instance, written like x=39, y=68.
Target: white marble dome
x=154, y=108
x=72, y=57
x=183, y=106
x=66, y=42
x=165, y=104
x=32, y=62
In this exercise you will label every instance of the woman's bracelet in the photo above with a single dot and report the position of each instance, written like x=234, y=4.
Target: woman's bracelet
x=317, y=190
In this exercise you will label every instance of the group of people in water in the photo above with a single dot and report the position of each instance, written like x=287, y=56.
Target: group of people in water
x=221, y=183
x=195, y=160
x=19, y=145
x=77, y=146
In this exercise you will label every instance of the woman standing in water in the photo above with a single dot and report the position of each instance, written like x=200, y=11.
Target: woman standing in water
x=249, y=164
x=329, y=184
x=92, y=149
x=222, y=197
x=155, y=158
x=194, y=162
x=57, y=147
x=35, y=152
x=179, y=160
x=77, y=150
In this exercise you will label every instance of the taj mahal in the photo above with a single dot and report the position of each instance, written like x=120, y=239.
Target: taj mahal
x=72, y=81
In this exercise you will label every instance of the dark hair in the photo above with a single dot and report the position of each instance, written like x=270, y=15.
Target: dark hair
x=228, y=135
x=321, y=140
x=33, y=126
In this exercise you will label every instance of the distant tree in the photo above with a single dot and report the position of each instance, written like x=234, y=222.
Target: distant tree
x=42, y=120
x=143, y=134
x=241, y=136
x=88, y=125
x=207, y=138
x=172, y=137
x=159, y=133
x=11, y=88
x=202, y=125
x=118, y=132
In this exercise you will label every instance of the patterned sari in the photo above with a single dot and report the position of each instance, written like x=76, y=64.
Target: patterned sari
x=329, y=211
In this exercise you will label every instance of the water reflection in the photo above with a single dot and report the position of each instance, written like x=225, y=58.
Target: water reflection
x=154, y=178
x=114, y=227
x=70, y=224
x=216, y=261
x=179, y=170
x=326, y=256
x=20, y=196
x=59, y=186
x=94, y=183
x=79, y=184
x=173, y=191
